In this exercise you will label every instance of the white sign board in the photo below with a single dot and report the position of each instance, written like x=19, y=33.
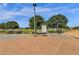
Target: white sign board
x=44, y=29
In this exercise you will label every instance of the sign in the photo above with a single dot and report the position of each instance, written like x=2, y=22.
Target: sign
x=44, y=29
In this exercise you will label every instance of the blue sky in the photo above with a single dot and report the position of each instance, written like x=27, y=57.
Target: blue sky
x=21, y=12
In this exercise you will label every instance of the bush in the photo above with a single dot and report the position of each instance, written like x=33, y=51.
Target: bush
x=13, y=32
x=52, y=30
x=17, y=32
x=27, y=31
x=2, y=31
x=9, y=32
x=55, y=31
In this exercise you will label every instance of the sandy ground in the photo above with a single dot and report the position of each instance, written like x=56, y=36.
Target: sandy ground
x=27, y=44
x=74, y=33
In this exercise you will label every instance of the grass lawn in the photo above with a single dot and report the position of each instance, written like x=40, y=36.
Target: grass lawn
x=27, y=31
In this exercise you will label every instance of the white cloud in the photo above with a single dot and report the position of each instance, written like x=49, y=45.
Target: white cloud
x=42, y=9
x=5, y=4
x=38, y=9
x=4, y=14
x=75, y=10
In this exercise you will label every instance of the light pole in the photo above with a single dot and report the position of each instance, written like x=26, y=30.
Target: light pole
x=34, y=5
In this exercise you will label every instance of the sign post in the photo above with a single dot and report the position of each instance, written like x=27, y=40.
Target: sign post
x=34, y=5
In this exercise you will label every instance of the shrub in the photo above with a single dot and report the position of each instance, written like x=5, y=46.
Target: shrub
x=52, y=30
x=13, y=32
x=2, y=31
x=17, y=32
x=27, y=31
x=9, y=32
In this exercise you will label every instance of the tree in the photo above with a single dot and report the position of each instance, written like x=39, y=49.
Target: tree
x=59, y=20
x=2, y=26
x=76, y=27
x=39, y=21
x=12, y=25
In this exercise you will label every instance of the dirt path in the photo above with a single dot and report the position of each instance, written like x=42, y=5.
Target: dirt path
x=28, y=44
x=74, y=33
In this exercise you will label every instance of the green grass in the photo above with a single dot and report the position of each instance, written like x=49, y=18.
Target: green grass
x=27, y=31
x=2, y=31
x=52, y=30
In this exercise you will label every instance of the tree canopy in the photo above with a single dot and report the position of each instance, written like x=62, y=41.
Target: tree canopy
x=59, y=19
x=2, y=25
x=12, y=25
x=39, y=21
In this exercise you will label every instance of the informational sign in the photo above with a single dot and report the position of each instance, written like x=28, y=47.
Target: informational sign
x=44, y=29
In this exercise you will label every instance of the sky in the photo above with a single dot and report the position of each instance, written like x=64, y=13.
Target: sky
x=22, y=12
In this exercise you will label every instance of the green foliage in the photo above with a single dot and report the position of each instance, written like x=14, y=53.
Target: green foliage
x=2, y=26
x=52, y=30
x=12, y=25
x=59, y=19
x=39, y=21
x=2, y=31
x=18, y=32
x=27, y=31
x=9, y=25
x=13, y=31
x=9, y=32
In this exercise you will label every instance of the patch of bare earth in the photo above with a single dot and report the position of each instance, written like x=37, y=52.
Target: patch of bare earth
x=74, y=33
x=28, y=44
